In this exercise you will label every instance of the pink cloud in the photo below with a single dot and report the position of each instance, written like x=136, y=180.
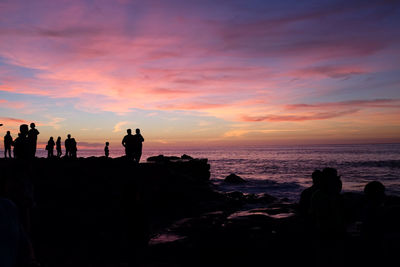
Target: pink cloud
x=294, y=118
x=13, y=121
x=375, y=103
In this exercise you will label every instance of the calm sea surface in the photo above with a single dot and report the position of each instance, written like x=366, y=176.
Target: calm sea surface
x=284, y=171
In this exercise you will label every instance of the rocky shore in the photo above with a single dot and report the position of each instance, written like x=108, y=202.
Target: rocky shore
x=165, y=212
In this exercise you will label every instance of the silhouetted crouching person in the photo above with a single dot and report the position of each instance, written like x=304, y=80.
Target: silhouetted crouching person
x=327, y=211
x=137, y=153
x=129, y=143
x=50, y=147
x=22, y=147
x=8, y=142
x=58, y=147
x=16, y=201
x=32, y=137
x=373, y=224
x=306, y=195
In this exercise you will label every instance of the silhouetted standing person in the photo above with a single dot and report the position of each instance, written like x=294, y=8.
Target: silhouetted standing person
x=50, y=148
x=129, y=142
x=68, y=146
x=21, y=143
x=106, y=150
x=8, y=142
x=58, y=147
x=32, y=138
x=137, y=153
x=74, y=148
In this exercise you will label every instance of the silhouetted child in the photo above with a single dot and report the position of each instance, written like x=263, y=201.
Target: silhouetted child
x=32, y=139
x=8, y=142
x=50, y=148
x=58, y=147
x=106, y=150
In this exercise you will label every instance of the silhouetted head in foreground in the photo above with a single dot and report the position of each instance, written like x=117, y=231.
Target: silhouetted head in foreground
x=23, y=129
x=129, y=131
x=32, y=125
x=138, y=131
x=316, y=178
x=8, y=133
x=107, y=143
x=59, y=138
x=374, y=192
x=69, y=136
x=331, y=182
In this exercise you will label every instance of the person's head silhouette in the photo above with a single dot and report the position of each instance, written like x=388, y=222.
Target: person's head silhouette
x=69, y=136
x=129, y=131
x=23, y=128
x=59, y=138
x=138, y=131
x=107, y=143
x=33, y=125
x=375, y=191
x=316, y=177
x=51, y=137
x=8, y=133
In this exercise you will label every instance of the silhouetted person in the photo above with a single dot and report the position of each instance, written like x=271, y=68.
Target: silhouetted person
x=16, y=199
x=129, y=143
x=50, y=147
x=32, y=138
x=305, y=197
x=327, y=210
x=373, y=223
x=138, y=140
x=74, y=148
x=67, y=144
x=8, y=142
x=22, y=146
x=106, y=150
x=58, y=147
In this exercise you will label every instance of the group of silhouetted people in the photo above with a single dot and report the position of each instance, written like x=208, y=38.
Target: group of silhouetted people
x=26, y=142
x=24, y=145
x=323, y=208
x=133, y=145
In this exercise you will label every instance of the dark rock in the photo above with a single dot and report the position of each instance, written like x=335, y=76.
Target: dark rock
x=265, y=198
x=184, y=156
x=162, y=158
x=234, y=179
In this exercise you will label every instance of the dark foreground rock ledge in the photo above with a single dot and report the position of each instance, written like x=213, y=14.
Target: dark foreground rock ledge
x=104, y=212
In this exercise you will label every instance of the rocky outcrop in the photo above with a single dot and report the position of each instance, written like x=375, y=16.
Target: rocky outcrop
x=234, y=179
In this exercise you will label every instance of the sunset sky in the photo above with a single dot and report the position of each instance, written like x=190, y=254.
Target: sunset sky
x=202, y=72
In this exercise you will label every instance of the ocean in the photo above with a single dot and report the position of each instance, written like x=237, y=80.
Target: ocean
x=284, y=171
